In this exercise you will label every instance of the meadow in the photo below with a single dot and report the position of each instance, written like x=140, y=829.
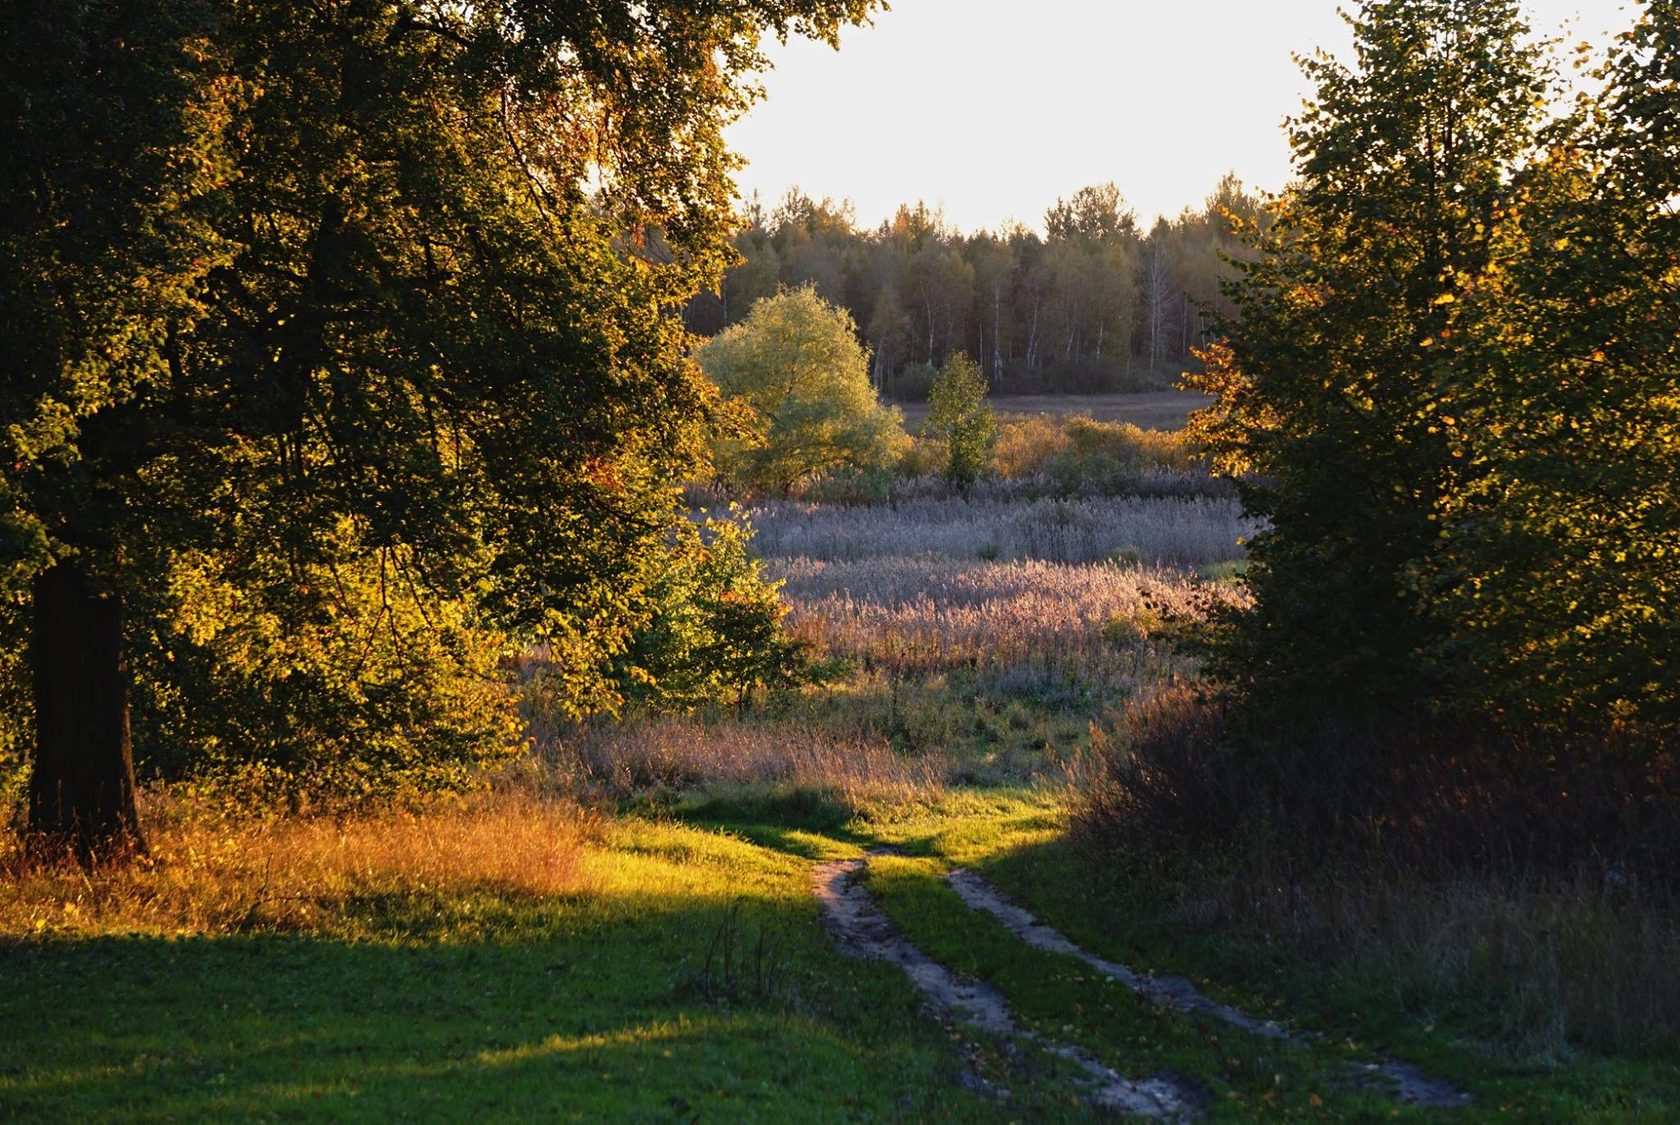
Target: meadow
x=624, y=925
x=1150, y=410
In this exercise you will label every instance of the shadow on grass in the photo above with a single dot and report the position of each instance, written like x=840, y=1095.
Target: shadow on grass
x=1140, y=910
x=455, y=1008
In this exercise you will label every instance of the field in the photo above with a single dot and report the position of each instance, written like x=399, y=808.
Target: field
x=1151, y=410
x=641, y=922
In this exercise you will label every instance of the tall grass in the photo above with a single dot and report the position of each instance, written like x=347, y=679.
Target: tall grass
x=1460, y=889
x=1194, y=531
x=857, y=770
x=213, y=872
x=1552, y=963
x=1022, y=627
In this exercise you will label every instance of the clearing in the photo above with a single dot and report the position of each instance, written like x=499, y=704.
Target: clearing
x=652, y=922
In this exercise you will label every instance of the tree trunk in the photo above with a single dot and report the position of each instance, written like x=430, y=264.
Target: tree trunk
x=81, y=790
x=997, y=336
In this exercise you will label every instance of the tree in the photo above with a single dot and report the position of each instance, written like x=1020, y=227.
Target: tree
x=1090, y=238
x=1339, y=381
x=381, y=286
x=796, y=366
x=959, y=413
x=1556, y=570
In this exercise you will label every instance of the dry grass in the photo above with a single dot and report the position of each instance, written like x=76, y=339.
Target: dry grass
x=1556, y=945
x=214, y=874
x=1559, y=963
x=858, y=770
x=1022, y=626
x=1165, y=410
x=1194, y=531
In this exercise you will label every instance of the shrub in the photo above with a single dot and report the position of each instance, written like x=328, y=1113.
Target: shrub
x=336, y=685
x=1183, y=769
x=1023, y=445
x=800, y=382
x=1082, y=456
x=1452, y=882
x=924, y=456
x=715, y=632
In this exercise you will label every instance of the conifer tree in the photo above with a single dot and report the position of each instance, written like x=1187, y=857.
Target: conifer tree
x=1339, y=386
x=1557, y=573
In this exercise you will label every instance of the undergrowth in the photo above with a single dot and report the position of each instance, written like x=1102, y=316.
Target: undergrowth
x=1524, y=891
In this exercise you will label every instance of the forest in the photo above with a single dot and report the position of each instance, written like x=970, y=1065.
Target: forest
x=1093, y=304
x=492, y=623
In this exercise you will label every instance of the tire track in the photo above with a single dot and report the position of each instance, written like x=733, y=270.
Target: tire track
x=1410, y=1084
x=863, y=930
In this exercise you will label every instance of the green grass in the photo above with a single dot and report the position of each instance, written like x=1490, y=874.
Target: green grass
x=686, y=973
x=460, y=1005
x=1017, y=840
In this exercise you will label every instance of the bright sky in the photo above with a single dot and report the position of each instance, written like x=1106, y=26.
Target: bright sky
x=994, y=108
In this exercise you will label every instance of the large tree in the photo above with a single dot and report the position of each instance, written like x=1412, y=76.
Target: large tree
x=1340, y=382
x=373, y=287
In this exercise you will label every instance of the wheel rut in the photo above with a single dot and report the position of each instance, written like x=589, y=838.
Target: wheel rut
x=862, y=929
x=1405, y=1081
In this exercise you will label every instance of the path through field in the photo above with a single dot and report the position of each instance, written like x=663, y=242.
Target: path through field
x=861, y=928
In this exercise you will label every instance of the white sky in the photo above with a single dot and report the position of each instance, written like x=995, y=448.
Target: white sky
x=994, y=108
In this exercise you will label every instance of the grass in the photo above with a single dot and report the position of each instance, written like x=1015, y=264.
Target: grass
x=669, y=755
x=649, y=967
x=221, y=873
x=645, y=944
x=1148, y=920
x=1174, y=531
x=1060, y=997
x=1164, y=410
x=672, y=972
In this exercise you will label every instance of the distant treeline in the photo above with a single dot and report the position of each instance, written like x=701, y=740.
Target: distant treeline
x=1093, y=304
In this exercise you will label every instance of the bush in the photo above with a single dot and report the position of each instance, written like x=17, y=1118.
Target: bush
x=715, y=632
x=1182, y=769
x=924, y=457
x=799, y=382
x=16, y=714
x=1081, y=456
x=337, y=685
x=1534, y=885
x=1024, y=444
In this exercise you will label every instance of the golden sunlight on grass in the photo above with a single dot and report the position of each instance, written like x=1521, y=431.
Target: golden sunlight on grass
x=214, y=875
x=860, y=770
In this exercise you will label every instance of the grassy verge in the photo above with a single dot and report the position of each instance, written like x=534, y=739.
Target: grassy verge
x=518, y=957
x=1146, y=914
x=665, y=972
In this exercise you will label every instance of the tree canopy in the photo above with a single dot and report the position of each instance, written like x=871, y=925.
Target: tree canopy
x=959, y=413
x=797, y=368
x=344, y=321
x=1093, y=304
x=1451, y=392
x=1340, y=365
